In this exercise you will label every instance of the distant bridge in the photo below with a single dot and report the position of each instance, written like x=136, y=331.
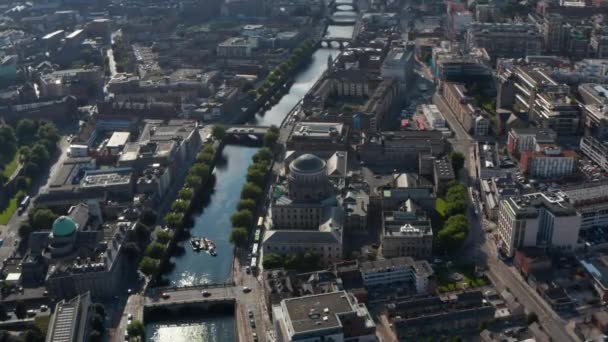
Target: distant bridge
x=179, y=298
x=246, y=133
x=342, y=42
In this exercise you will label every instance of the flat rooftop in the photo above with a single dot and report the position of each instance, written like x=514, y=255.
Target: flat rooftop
x=318, y=311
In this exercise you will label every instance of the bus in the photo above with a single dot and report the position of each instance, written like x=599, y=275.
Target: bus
x=254, y=264
x=25, y=202
x=260, y=222
x=254, y=250
x=256, y=237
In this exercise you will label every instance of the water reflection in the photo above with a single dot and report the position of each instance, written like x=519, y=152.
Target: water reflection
x=217, y=329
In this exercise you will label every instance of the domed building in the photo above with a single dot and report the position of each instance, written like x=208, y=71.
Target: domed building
x=62, y=236
x=308, y=179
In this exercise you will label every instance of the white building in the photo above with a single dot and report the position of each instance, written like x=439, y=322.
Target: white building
x=591, y=202
x=537, y=220
x=335, y=316
x=398, y=272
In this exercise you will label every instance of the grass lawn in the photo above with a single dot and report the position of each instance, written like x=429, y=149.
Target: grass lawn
x=469, y=279
x=10, y=168
x=7, y=213
x=441, y=207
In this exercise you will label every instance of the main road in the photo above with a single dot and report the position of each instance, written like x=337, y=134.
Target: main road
x=480, y=246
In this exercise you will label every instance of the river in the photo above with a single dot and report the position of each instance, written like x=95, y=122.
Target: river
x=214, y=222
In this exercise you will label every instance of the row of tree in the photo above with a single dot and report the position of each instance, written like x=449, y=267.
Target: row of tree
x=301, y=262
x=197, y=177
x=455, y=229
x=251, y=193
x=35, y=142
x=97, y=323
x=278, y=75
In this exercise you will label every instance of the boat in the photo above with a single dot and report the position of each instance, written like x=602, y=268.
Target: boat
x=212, y=251
x=196, y=244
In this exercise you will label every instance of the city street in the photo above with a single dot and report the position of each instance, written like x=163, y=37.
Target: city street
x=10, y=232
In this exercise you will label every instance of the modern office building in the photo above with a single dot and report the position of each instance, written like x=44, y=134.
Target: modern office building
x=537, y=220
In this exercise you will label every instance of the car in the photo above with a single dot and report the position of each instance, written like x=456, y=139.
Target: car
x=129, y=291
x=165, y=295
x=255, y=337
x=248, y=269
x=130, y=317
x=31, y=313
x=250, y=314
x=246, y=289
x=1, y=242
x=43, y=308
x=206, y=293
x=252, y=323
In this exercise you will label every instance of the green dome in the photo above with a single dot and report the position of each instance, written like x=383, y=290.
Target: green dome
x=308, y=163
x=64, y=226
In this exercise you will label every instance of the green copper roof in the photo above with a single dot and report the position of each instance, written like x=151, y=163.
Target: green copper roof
x=63, y=226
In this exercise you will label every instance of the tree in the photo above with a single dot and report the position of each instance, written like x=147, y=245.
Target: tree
x=247, y=204
x=97, y=322
x=43, y=219
x=20, y=310
x=39, y=154
x=8, y=141
x=204, y=158
x=199, y=169
x=242, y=218
x=193, y=181
x=312, y=260
x=22, y=183
x=186, y=194
x=251, y=190
x=174, y=220
x=453, y=233
x=25, y=230
x=163, y=236
x=272, y=260
x=263, y=154
x=180, y=206
x=457, y=160
x=149, y=266
x=142, y=233
x=255, y=176
x=31, y=169
x=218, y=132
x=48, y=131
x=155, y=250
x=148, y=217
x=26, y=131
x=270, y=138
x=208, y=148
x=131, y=250
x=136, y=329
x=238, y=236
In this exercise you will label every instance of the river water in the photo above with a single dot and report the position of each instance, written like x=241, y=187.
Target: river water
x=214, y=222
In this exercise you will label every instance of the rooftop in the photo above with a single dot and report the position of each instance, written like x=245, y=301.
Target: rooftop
x=318, y=311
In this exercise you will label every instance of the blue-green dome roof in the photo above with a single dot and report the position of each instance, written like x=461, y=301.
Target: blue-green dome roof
x=64, y=226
